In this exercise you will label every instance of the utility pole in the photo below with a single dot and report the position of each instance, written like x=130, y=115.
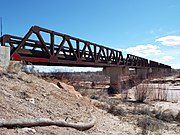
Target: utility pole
x=1, y=26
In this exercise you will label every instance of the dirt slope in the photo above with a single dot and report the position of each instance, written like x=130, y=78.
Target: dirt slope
x=26, y=96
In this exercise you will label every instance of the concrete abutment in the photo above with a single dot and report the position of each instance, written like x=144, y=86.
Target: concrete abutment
x=6, y=63
x=4, y=56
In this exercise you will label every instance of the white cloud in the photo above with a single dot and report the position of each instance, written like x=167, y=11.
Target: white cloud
x=167, y=58
x=169, y=40
x=175, y=65
x=144, y=50
x=164, y=59
x=120, y=49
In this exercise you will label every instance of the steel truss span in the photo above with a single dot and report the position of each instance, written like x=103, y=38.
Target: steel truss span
x=41, y=46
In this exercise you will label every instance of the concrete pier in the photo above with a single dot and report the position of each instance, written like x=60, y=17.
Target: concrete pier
x=159, y=72
x=115, y=74
x=142, y=73
x=4, y=56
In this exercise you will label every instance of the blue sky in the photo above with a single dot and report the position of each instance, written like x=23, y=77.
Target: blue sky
x=147, y=28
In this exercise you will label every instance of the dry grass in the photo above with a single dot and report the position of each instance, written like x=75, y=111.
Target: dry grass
x=166, y=115
x=178, y=117
x=147, y=91
x=142, y=92
x=149, y=124
x=159, y=93
x=146, y=110
x=116, y=111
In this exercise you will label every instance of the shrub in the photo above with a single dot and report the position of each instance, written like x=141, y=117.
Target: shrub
x=160, y=93
x=142, y=91
x=146, y=110
x=101, y=105
x=148, y=123
x=146, y=91
x=166, y=115
x=116, y=111
x=112, y=91
x=178, y=117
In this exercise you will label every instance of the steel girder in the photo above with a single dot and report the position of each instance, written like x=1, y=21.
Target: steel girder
x=41, y=46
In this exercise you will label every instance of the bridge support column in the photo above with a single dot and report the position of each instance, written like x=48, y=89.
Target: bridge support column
x=4, y=56
x=115, y=74
x=142, y=73
x=157, y=72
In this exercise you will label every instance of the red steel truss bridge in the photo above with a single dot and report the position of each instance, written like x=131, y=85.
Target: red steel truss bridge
x=41, y=46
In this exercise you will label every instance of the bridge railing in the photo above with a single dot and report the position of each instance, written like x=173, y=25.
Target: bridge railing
x=153, y=64
x=135, y=61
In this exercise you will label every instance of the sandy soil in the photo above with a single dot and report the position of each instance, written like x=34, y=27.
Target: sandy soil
x=27, y=96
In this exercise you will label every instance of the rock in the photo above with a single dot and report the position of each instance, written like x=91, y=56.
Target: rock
x=14, y=67
x=69, y=88
x=1, y=68
x=24, y=95
x=31, y=100
x=29, y=130
x=54, y=85
x=166, y=115
x=167, y=111
x=117, y=111
x=24, y=77
x=148, y=123
x=96, y=97
x=100, y=105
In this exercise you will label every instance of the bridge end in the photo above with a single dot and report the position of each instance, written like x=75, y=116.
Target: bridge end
x=4, y=56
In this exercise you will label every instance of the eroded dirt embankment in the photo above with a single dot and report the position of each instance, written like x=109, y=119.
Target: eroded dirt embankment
x=27, y=96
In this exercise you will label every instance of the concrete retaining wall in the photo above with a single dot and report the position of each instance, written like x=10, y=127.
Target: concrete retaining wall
x=4, y=56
